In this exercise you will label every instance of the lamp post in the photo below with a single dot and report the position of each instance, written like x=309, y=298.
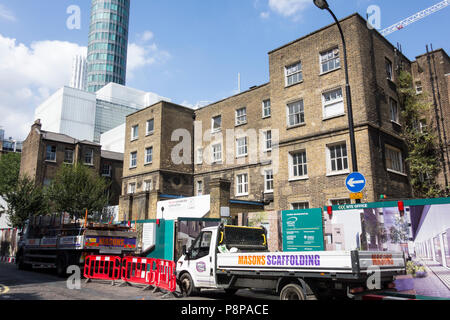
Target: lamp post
x=323, y=5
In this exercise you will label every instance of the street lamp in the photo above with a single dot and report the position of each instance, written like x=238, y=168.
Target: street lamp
x=323, y=5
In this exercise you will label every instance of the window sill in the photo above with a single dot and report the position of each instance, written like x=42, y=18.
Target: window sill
x=148, y=164
x=132, y=168
x=89, y=164
x=291, y=85
x=216, y=131
x=268, y=192
x=148, y=134
x=296, y=126
x=298, y=179
x=133, y=139
x=340, y=173
x=266, y=117
x=242, y=195
x=397, y=172
x=240, y=124
x=334, y=117
x=242, y=156
x=329, y=71
x=50, y=161
x=397, y=123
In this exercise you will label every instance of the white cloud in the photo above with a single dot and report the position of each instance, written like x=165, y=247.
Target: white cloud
x=6, y=14
x=146, y=36
x=289, y=8
x=28, y=75
x=264, y=15
x=141, y=56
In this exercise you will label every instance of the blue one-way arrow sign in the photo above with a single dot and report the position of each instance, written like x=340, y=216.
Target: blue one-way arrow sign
x=355, y=182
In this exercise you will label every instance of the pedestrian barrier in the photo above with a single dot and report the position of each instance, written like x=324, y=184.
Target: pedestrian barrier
x=139, y=270
x=8, y=259
x=166, y=278
x=151, y=272
x=102, y=268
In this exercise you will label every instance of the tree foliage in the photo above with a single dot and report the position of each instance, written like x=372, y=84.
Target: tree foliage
x=24, y=201
x=9, y=172
x=77, y=188
x=423, y=147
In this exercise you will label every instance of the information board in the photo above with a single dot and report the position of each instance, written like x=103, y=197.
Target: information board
x=302, y=230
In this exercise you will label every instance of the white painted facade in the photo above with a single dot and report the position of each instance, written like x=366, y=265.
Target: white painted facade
x=114, y=139
x=84, y=116
x=79, y=73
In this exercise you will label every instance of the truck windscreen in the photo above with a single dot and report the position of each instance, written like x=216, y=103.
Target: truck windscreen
x=244, y=238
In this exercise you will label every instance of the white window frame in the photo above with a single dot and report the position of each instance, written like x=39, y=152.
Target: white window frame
x=132, y=188
x=149, y=132
x=91, y=151
x=390, y=71
x=134, y=132
x=244, y=183
x=148, y=185
x=65, y=156
x=108, y=174
x=293, y=71
x=53, y=153
x=418, y=84
x=214, y=153
x=267, y=174
x=268, y=141
x=199, y=155
x=390, y=151
x=305, y=203
x=199, y=186
x=302, y=165
x=214, y=130
x=300, y=115
x=266, y=106
x=147, y=155
x=133, y=158
x=330, y=171
x=241, y=149
x=241, y=119
x=394, y=117
x=339, y=202
x=328, y=56
x=333, y=102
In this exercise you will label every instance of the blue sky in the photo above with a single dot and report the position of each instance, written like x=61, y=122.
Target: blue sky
x=190, y=51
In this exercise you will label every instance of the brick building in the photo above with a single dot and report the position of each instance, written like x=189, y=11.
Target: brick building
x=431, y=73
x=45, y=152
x=283, y=144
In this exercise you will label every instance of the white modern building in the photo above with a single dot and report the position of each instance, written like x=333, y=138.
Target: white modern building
x=86, y=115
x=79, y=73
x=114, y=139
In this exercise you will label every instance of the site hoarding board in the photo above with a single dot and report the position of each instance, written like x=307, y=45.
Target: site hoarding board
x=302, y=230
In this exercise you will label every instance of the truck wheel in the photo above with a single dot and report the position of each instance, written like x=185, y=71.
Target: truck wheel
x=61, y=265
x=292, y=291
x=187, y=285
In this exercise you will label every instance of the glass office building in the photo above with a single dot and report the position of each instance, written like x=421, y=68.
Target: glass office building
x=108, y=43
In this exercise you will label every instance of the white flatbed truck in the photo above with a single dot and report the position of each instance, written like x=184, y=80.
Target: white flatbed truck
x=233, y=258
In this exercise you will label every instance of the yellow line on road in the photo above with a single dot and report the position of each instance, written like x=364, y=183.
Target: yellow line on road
x=3, y=289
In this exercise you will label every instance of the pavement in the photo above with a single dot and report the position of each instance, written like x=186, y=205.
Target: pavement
x=436, y=283
x=43, y=284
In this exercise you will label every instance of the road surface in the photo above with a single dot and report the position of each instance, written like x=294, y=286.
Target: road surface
x=43, y=284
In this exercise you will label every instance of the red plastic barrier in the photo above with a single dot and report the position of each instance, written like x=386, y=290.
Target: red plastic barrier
x=165, y=277
x=102, y=267
x=139, y=270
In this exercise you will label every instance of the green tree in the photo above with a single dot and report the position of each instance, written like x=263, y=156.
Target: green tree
x=423, y=146
x=77, y=188
x=24, y=201
x=9, y=172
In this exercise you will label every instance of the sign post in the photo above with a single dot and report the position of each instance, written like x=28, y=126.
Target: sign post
x=303, y=230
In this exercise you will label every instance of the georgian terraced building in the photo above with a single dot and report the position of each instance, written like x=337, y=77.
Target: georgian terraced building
x=283, y=144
